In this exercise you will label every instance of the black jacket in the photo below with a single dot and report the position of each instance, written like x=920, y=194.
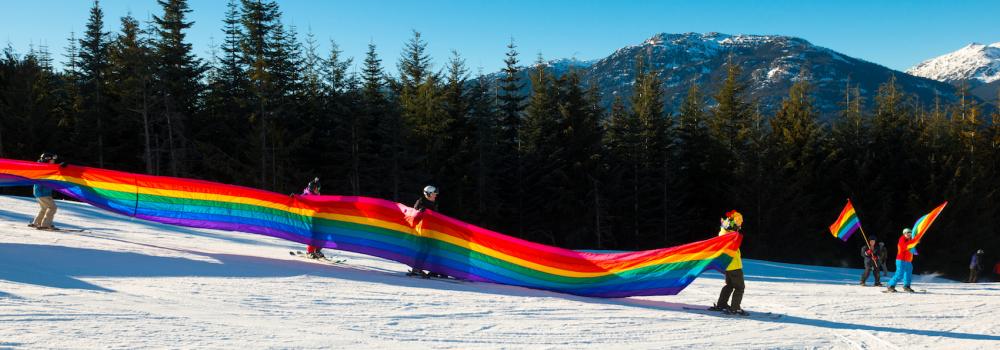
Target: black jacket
x=867, y=257
x=424, y=203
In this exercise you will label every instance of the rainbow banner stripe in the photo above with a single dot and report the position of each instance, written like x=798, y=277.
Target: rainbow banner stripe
x=921, y=226
x=383, y=229
x=846, y=223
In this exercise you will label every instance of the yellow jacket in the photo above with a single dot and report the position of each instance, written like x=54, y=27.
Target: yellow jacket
x=737, y=262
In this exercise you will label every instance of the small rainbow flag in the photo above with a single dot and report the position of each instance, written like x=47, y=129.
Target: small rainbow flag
x=923, y=223
x=846, y=224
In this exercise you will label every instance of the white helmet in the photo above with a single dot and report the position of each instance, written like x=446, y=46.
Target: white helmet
x=907, y=231
x=430, y=190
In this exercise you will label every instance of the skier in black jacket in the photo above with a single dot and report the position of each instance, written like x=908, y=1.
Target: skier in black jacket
x=871, y=258
x=427, y=201
x=975, y=266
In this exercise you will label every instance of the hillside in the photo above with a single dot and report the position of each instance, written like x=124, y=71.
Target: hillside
x=126, y=283
x=770, y=63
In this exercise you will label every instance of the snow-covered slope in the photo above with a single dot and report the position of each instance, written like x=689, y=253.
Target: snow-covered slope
x=974, y=62
x=125, y=283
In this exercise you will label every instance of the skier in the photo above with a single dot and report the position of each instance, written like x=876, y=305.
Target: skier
x=870, y=257
x=881, y=258
x=732, y=224
x=427, y=201
x=975, y=267
x=904, y=263
x=313, y=189
x=43, y=221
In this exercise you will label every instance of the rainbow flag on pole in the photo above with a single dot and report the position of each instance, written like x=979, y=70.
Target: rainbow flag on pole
x=846, y=224
x=921, y=226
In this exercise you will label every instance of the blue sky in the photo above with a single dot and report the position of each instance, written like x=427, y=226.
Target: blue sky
x=897, y=34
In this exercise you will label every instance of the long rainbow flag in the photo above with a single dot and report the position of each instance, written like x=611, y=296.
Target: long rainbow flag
x=921, y=226
x=384, y=229
x=846, y=223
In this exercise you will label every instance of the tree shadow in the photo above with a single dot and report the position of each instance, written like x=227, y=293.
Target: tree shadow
x=87, y=211
x=790, y=319
x=62, y=267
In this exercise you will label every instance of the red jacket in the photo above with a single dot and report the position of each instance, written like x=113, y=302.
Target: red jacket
x=902, y=253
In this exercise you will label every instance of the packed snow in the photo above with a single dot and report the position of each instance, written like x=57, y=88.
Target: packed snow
x=127, y=283
x=972, y=62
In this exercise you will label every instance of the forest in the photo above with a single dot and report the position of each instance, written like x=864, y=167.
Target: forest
x=554, y=166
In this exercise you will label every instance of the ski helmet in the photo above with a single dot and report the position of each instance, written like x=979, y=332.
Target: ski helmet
x=980, y=252
x=47, y=157
x=429, y=190
x=907, y=231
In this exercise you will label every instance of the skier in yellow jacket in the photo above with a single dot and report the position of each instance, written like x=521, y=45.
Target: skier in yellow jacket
x=732, y=224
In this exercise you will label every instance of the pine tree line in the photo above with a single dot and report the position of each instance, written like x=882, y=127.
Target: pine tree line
x=551, y=166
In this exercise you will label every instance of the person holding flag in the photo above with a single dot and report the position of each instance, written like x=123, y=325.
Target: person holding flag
x=904, y=263
x=906, y=248
x=729, y=225
x=870, y=256
x=845, y=226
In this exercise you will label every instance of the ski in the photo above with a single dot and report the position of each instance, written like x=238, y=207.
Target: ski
x=915, y=291
x=442, y=279
x=56, y=229
x=301, y=254
x=755, y=314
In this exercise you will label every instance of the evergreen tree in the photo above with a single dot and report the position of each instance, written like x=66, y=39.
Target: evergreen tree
x=790, y=166
x=260, y=20
x=178, y=75
x=543, y=157
x=730, y=124
x=225, y=108
x=892, y=132
x=29, y=106
x=484, y=119
x=370, y=127
x=621, y=145
x=459, y=154
x=334, y=127
x=693, y=144
x=580, y=140
x=651, y=175
x=510, y=106
x=93, y=89
x=131, y=83
x=427, y=123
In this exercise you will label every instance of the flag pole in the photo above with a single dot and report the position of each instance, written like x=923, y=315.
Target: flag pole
x=865, y=236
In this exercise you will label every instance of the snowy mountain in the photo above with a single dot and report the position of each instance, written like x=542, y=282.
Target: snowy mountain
x=975, y=64
x=770, y=63
x=128, y=283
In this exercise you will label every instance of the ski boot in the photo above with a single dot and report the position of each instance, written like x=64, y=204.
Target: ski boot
x=415, y=272
x=717, y=307
x=908, y=289
x=891, y=289
x=737, y=312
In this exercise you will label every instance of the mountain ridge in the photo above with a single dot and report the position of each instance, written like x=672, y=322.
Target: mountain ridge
x=770, y=64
